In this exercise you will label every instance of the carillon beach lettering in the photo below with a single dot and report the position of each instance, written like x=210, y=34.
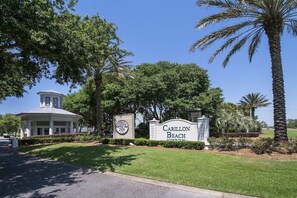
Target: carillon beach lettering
x=166, y=128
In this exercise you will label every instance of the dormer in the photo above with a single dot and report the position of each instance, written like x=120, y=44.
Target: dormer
x=51, y=98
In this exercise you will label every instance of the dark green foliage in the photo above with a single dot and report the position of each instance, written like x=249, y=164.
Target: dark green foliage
x=262, y=145
x=153, y=143
x=34, y=35
x=51, y=140
x=141, y=142
x=142, y=131
x=167, y=90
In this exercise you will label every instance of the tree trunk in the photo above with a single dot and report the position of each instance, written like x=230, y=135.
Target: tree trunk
x=253, y=113
x=279, y=104
x=98, y=85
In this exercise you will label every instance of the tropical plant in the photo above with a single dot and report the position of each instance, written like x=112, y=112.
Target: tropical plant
x=253, y=19
x=234, y=121
x=253, y=101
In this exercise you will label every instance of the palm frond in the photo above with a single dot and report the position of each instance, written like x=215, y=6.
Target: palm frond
x=225, y=15
x=255, y=43
x=235, y=48
x=225, y=32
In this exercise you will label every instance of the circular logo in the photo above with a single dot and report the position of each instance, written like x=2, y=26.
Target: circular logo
x=122, y=127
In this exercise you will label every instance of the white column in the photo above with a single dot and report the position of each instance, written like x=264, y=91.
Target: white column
x=51, y=127
x=51, y=101
x=153, y=128
x=71, y=127
x=203, y=129
x=28, y=129
x=21, y=133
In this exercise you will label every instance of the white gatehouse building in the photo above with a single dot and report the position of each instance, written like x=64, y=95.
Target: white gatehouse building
x=50, y=118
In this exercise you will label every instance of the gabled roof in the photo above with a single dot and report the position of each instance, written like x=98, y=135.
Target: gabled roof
x=48, y=110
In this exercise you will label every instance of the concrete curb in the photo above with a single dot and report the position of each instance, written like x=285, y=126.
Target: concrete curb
x=179, y=187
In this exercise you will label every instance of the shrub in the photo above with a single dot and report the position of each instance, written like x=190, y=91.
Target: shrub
x=153, y=142
x=212, y=142
x=141, y=142
x=288, y=147
x=225, y=144
x=105, y=141
x=262, y=145
x=241, y=134
x=244, y=142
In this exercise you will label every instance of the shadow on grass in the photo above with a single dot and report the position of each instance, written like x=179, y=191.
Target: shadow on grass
x=102, y=157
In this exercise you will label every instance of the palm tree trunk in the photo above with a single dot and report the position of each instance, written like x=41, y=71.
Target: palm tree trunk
x=253, y=113
x=279, y=104
x=98, y=85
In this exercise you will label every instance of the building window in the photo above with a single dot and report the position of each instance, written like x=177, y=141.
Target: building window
x=41, y=100
x=47, y=101
x=55, y=101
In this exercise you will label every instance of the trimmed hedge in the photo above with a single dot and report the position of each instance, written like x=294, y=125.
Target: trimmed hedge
x=146, y=142
x=137, y=141
x=43, y=140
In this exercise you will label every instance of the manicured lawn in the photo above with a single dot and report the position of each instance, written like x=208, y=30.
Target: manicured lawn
x=250, y=176
x=292, y=133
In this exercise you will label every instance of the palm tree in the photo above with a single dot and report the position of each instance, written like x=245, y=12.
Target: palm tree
x=250, y=20
x=103, y=55
x=252, y=101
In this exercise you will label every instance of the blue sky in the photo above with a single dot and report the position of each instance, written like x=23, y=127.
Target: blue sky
x=157, y=30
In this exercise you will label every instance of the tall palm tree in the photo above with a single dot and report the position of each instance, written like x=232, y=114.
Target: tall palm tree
x=248, y=21
x=253, y=101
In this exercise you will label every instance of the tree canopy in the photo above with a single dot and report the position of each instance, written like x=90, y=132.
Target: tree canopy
x=31, y=40
x=9, y=124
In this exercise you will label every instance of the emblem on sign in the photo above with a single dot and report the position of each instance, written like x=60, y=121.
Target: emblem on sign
x=122, y=127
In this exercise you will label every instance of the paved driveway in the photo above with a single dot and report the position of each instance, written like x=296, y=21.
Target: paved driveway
x=27, y=176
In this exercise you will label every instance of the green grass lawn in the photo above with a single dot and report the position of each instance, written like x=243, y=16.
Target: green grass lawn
x=250, y=176
x=292, y=133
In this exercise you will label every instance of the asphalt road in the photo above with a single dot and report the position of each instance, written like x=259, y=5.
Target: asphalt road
x=27, y=176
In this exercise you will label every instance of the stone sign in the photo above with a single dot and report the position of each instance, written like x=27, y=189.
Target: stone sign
x=123, y=126
x=179, y=129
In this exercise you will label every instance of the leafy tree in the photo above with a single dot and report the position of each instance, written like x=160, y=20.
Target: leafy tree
x=253, y=19
x=253, y=101
x=31, y=41
x=166, y=90
x=292, y=123
x=9, y=123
